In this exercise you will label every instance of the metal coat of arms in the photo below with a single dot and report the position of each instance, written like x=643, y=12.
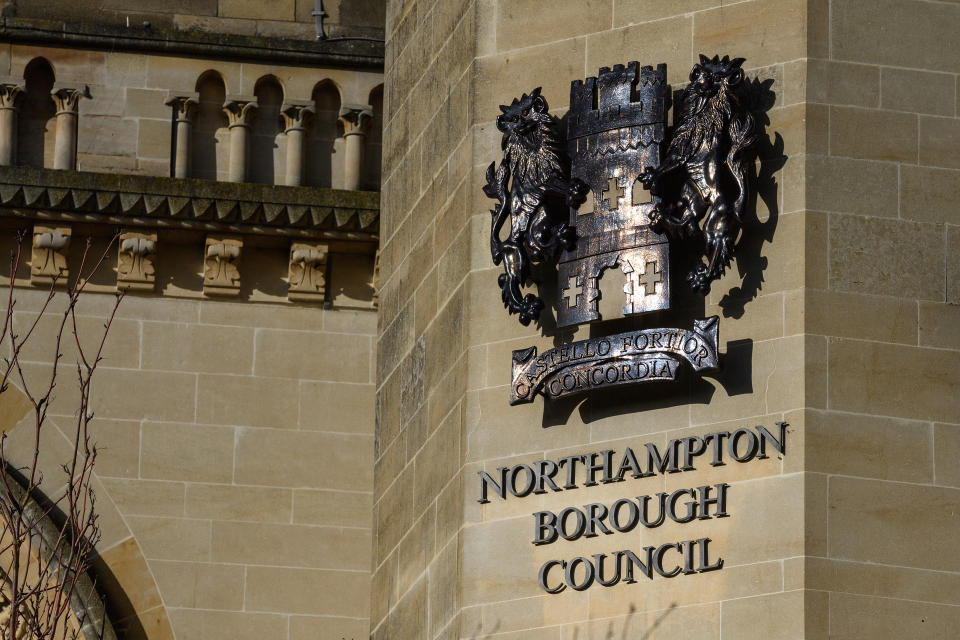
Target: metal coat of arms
x=608, y=209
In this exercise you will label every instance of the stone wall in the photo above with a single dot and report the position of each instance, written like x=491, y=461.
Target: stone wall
x=127, y=126
x=883, y=321
x=234, y=475
x=277, y=18
x=447, y=566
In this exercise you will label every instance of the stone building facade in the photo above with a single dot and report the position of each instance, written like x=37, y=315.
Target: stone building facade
x=839, y=317
x=237, y=155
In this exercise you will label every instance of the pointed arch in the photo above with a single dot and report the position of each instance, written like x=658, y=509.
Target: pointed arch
x=36, y=123
x=324, y=142
x=209, y=147
x=268, y=144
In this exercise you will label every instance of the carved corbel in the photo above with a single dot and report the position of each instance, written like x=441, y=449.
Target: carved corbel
x=355, y=118
x=221, y=266
x=308, y=272
x=48, y=262
x=240, y=110
x=135, y=264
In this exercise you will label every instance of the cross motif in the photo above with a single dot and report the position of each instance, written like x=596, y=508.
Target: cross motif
x=649, y=278
x=639, y=191
x=572, y=291
x=615, y=191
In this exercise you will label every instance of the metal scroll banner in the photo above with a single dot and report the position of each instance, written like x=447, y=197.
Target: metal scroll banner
x=624, y=358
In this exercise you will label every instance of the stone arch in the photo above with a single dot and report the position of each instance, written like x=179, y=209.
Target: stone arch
x=36, y=122
x=324, y=141
x=267, y=144
x=210, y=144
x=372, y=155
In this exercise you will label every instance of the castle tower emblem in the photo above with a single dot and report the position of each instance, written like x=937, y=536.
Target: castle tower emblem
x=615, y=128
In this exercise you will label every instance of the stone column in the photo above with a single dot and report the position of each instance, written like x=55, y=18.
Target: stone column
x=10, y=91
x=67, y=97
x=184, y=108
x=356, y=119
x=296, y=113
x=240, y=111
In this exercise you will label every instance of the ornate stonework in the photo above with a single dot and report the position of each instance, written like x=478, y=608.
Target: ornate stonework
x=49, y=256
x=308, y=271
x=135, y=263
x=221, y=266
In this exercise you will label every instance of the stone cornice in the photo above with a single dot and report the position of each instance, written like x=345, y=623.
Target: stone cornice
x=349, y=53
x=146, y=201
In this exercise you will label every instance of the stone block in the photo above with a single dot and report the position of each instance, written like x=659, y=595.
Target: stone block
x=886, y=257
x=939, y=140
x=340, y=508
x=667, y=41
x=128, y=394
x=501, y=78
x=777, y=616
x=333, y=406
x=565, y=19
x=845, y=185
x=153, y=139
x=919, y=91
x=186, y=452
x=146, y=103
x=894, y=380
x=107, y=135
x=253, y=10
x=172, y=538
x=633, y=11
x=853, y=617
x=940, y=325
x=868, y=446
x=853, y=134
x=316, y=356
x=316, y=628
x=235, y=502
x=308, y=591
x=437, y=463
x=946, y=448
x=334, y=548
x=304, y=459
x=883, y=581
x=929, y=195
x=394, y=514
x=867, y=317
x=194, y=585
x=247, y=401
x=842, y=83
x=198, y=624
x=860, y=33
x=953, y=264
x=416, y=549
x=199, y=348
x=262, y=316
x=132, y=575
x=442, y=587
x=764, y=32
x=146, y=497
x=118, y=453
x=120, y=350
x=870, y=520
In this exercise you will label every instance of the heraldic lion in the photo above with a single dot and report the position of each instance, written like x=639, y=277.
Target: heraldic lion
x=533, y=168
x=711, y=147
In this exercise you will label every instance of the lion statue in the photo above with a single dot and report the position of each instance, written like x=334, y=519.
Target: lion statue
x=538, y=227
x=711, y=149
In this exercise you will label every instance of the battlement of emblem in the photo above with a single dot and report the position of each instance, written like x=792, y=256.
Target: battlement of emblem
x=622, y=96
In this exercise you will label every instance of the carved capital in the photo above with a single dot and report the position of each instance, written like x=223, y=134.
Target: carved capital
x=240, y=110
x=135, y=263
x=10, y=92
x=356, y=118
x=48, y=260
x=221, y=265
x=296, y=114
x=67, y=96
x=184, y=105
x=308, y=272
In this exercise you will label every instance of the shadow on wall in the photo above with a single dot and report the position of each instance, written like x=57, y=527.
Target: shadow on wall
x=323, y=141
x=210, y=130
x=268, y=139
x=36, y=123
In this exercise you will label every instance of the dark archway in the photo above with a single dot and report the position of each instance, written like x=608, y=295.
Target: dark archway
x=210, y=128
x=36, y=124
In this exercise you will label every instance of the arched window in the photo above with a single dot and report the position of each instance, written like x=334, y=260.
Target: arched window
x=36, y=123
x=210, y=145
x=371, y=162
x=324, y=167
x=268, y=144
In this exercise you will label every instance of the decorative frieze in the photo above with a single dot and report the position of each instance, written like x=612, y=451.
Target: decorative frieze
x=221, y=265
x=308, y=272
x=135, y=263
x=48, y=262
